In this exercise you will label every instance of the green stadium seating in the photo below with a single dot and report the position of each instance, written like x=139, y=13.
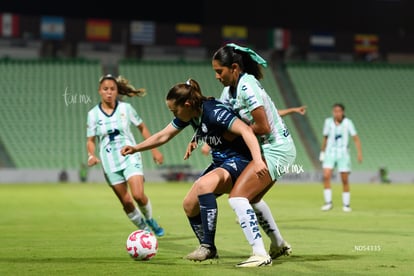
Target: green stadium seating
x=39, y=128
x=43, y=128
x=378, y=98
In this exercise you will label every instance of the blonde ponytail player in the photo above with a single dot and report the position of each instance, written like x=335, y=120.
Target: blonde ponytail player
x=109, y=123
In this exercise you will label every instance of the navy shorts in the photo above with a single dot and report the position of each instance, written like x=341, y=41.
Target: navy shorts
x=234, y=165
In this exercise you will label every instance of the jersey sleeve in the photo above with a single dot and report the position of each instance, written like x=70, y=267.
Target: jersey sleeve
x=221, y=117
x=325, y=130
x=133, y=116
x=250, y=93
x=90, y=126
x=178, y=124
x=351, y=128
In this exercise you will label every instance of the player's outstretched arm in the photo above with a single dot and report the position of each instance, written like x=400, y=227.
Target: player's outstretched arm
x=155, y=140
x=90, y=147
x=240, y=128
x=156, y=154
x=300, y=110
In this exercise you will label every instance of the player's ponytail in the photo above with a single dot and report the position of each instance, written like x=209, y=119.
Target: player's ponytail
x=127, y=89
x=188, y=91
x=124, y=87
x=247, y=59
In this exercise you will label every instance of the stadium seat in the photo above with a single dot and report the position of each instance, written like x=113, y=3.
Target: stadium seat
x=377, y=97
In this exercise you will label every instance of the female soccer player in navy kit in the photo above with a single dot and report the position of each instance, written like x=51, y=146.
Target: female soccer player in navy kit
x=233, y=144
x=109, y=121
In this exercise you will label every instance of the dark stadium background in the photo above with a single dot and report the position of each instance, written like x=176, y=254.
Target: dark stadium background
x=351, y=15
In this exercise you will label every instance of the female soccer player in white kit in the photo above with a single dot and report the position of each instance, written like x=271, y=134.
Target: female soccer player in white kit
x=335, y=153
x=239, y=70
x=109, y=121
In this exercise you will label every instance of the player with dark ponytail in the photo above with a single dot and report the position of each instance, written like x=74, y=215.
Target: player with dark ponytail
x=233, y=145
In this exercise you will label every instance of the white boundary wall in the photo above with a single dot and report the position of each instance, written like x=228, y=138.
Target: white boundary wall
x=96, y=176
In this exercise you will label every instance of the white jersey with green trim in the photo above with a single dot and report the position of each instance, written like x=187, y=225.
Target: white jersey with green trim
x=250, y=95
x=338, y=135
x=113, y=132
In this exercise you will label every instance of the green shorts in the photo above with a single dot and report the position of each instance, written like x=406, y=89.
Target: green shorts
x=340, y=161
x=114, y=178
x=279, y=158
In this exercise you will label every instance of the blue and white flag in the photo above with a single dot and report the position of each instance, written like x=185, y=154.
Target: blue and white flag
x=142, y=32
x=52, y=27
x=322, y=41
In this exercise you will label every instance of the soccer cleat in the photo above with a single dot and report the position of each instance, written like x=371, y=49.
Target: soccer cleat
x=256, y=261
x=346, y=208
x=277, y=251
x=327, y=206
x=202, y=253
x=158, y=230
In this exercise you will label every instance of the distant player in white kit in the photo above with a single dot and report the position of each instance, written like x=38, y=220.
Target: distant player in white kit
x=335, y=154
x=109, y=123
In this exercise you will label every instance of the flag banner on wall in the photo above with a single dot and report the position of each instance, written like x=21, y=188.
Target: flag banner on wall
x=188, y=34
x=9, y=25
x=142, y=32
x=322, y=41
x=98, y=30
x=234, y=34
x=52, y=27
x=366, y=43
x=279, y=39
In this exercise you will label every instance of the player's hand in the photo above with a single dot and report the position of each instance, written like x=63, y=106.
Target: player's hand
x=301, y=110
x=128, y=150
x=191, y=146
x=260, y=168
x=359, y=157
x=157, y=157
x=205, y=149
x=93, y=160
x=321, y=156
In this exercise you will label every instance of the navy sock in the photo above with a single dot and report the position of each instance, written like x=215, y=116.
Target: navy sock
x=197, y=226
x=208, y=212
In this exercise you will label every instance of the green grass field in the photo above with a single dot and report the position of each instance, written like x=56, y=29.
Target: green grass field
x=81, y=229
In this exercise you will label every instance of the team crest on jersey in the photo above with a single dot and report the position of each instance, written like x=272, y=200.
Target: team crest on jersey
x=233, y=165
x=204, y=128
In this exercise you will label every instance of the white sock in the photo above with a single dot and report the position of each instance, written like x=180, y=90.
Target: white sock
x=327, y=195
x=249, y=224
x=267, y=222
x=346, y=198
x=137, y=219
x=146, y=210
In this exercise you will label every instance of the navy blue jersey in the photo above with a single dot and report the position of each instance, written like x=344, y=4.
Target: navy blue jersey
x=216, y=120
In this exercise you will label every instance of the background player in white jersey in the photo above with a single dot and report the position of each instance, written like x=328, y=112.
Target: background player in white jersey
x=335, y=153
x=110, y=121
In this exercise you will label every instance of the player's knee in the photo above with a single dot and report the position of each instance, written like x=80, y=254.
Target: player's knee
x=326, y=175
x=204, y=187
x=190, y=206
x=128, y=205
x=140, y=198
